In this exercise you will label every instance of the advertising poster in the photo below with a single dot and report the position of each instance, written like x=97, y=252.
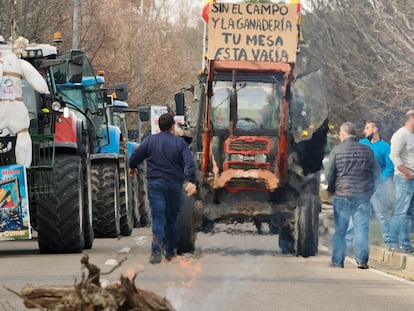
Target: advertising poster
x=14, y=203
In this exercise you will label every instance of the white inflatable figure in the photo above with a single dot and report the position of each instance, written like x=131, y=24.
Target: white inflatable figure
x=13, y=113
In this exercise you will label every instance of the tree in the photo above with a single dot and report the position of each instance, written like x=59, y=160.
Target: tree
x=153, y=53
x=35, y=19
x=365, y=49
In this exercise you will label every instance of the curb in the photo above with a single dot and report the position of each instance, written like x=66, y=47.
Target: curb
x=397, y=260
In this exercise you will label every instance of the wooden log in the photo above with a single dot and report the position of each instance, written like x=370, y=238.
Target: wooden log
x=88, y=295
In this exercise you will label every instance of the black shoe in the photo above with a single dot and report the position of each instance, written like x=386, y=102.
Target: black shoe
x=155, y=258
x=169, y=257
x=362, y=265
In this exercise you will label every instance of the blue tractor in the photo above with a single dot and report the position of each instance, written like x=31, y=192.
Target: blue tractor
x=130, y=208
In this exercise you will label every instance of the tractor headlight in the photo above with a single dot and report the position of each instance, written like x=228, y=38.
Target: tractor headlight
x=260, y=158
x=56, y=106
x=236, y=157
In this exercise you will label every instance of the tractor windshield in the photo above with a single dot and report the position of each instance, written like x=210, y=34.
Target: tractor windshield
x=258, y=105
x=309, y=107
x=86, y=96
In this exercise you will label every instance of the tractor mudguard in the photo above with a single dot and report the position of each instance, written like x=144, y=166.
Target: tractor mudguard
x=114, y=141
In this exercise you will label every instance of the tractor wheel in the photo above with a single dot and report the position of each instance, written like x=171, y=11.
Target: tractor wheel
x=144, y=219
x=105, y=196
x=186, y=229
x=125, y=195
x=88, y=234
x=286, y=239
x=60, y=215
x=135, y=201
x=307, y=225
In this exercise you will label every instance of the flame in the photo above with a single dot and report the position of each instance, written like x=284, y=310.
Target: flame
x=132, y=271
x=190, y=269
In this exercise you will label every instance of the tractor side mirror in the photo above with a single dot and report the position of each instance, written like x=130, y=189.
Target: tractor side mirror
x=75, y=66
x=121, y=90
x=144, y=116
x=179, y=103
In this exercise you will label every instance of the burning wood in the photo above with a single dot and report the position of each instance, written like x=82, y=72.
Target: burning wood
x=88, y=295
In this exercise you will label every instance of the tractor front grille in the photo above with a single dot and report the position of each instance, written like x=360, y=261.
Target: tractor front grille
x=248, y=145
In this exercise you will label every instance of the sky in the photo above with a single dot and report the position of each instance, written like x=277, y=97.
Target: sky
x=198, y=5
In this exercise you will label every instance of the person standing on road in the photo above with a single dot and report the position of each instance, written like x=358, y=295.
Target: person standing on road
x=383, y=198
x=169, y=163
x=351, y=175
x=402, y=155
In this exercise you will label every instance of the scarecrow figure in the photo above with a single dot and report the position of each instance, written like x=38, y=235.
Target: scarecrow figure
x=14, y=115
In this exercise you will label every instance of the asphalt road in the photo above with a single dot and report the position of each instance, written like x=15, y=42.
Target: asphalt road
x=233, y=269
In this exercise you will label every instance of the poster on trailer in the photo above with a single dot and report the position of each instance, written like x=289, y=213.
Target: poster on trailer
x=14, y=204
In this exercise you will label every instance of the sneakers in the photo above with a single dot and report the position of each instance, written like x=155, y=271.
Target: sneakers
x=393, y=248
x=335, y=266
x=362, y=265
x=398, y=249
x=155, y=258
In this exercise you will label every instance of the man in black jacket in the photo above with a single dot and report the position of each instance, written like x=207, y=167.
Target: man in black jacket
x=351, y=175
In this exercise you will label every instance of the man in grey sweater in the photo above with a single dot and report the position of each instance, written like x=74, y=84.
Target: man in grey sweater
x=402, y=155
x=351, y=175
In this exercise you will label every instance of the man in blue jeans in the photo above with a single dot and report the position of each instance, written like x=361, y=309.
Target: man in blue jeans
x=402, y=155
x=351, y=175
x=169, y=163
x=383, y=198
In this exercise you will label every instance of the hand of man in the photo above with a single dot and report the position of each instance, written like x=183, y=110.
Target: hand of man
x=132, y=171
x=190, y=188
x=405, y=172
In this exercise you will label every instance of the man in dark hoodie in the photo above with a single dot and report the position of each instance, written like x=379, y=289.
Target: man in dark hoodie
x=169, y=164
x=351, y=176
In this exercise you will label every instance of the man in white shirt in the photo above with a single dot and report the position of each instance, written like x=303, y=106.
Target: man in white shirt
x=402, y=155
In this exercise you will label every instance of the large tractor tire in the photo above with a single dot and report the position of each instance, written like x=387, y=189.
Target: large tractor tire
x=88, y=234
x=186, y=227
x=142, y=215
x=286, y=238
x=60, y=215
x=144, y=208
x=105, y=196
x=125, y=196
x=307, y=225
x=135, y=201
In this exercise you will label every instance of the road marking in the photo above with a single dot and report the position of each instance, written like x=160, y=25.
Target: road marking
x=141, y=240
x=124, y=250
x=111, y=262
